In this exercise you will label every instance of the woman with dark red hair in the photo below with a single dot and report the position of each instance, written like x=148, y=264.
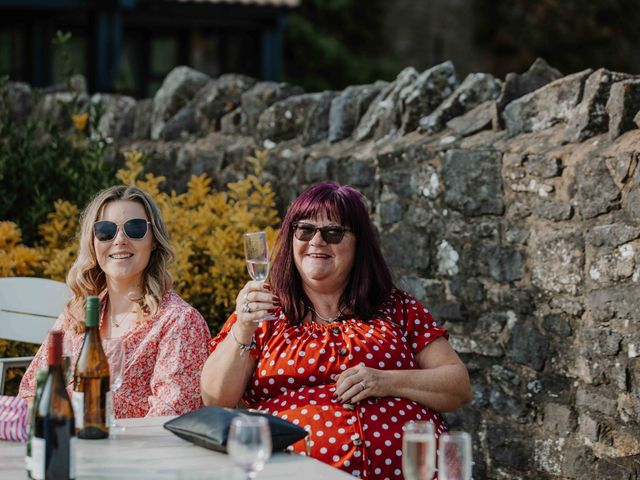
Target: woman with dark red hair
x=349, y=357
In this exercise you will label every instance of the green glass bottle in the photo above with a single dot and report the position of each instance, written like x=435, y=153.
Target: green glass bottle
x=53, y=442
x=91, y=380
x=41, y=378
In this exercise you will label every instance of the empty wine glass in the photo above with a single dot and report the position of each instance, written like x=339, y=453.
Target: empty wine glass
x=114, y=350
x=454, y=456
x=418, y=451
x=249, y=443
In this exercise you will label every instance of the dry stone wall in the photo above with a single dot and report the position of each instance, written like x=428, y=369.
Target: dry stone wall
x=511, y=208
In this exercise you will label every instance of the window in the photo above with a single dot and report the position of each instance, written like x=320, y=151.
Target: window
x=164, y=57
x=12, y=57
x=205, y=53
x=129, y=76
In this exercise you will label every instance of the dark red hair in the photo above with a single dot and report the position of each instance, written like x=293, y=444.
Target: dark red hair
x=370, y=283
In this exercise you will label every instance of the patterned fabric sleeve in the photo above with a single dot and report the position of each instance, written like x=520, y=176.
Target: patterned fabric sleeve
x=222, y=334
x=261, y=334
x=420, y=327
x=39, y=362
x=182, y=351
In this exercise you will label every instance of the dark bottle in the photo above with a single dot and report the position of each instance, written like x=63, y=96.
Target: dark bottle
x=41, y=378
x=91, y=380
x=53, y=442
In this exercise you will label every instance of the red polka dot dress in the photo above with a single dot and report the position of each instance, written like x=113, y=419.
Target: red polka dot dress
x=295, y=379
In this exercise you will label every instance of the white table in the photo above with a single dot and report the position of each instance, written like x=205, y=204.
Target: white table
x=147, y=451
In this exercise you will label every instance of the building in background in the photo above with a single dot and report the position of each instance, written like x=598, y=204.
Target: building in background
x=128, y=46
x=427, y=32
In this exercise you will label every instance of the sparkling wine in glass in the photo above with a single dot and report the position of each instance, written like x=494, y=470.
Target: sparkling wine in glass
x=114, y=350
x=257, y=256
x=418, y=451
x=454, y=456
x=249, y=443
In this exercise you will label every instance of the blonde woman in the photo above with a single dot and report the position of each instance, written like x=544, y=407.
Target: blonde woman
x=123, y=258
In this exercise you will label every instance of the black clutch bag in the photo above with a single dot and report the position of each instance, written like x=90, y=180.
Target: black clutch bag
x=208, y=427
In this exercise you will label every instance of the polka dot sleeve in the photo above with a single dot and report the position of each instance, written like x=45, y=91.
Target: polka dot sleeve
x=420, y=327
x=222, y=334
x=262, y=332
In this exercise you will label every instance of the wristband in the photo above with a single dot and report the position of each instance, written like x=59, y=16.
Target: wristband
x=244, y=347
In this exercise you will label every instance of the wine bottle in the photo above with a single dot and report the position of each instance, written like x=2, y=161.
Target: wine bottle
x=41, y=378
x=91, y=380
x=53, y=442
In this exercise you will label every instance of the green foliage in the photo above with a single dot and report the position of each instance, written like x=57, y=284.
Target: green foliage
x=16, y=260
x=332, y=44
x=206, y=229
x=570, y=34
x=61, y=41
x=41, y=162
x=205, y=226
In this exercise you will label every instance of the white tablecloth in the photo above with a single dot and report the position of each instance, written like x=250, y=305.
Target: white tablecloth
x=147, y=451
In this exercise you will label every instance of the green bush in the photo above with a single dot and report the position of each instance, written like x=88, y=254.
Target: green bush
x=343, y=39
x=41, y=162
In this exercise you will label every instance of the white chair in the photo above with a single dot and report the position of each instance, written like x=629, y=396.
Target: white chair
x=28, y=309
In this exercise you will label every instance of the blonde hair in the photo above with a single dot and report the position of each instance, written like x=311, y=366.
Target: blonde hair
x=87, y=278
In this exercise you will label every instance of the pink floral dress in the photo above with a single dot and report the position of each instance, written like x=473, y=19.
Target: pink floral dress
x=164, y=358
x=295, y=379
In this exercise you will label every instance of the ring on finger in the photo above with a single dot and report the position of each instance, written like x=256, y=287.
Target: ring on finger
x=246, y=308
x=363, y=386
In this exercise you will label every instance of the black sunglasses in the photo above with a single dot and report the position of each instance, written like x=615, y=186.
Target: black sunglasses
x=330, y=234
x=135, y=229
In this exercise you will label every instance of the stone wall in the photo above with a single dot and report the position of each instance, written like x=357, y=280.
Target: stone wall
x=511, y=208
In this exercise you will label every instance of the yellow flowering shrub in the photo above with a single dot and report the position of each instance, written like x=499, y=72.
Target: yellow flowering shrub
x=206, y=229
x=60, y=243
x=16, y=260
x=205, y=226
x=80, y=121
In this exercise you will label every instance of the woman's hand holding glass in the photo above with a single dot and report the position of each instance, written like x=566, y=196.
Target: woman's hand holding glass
x=254, y=303
x=254, y=300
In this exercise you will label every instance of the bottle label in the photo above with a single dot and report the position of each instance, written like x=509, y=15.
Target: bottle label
x=109, y=409
x=72, y=457
x=77, y=402
x=37, y=458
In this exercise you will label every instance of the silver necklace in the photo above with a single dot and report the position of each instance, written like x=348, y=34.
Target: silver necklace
x=326, y=319
x=116, y=323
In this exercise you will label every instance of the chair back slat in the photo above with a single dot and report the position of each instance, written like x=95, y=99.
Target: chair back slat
x=29, y=307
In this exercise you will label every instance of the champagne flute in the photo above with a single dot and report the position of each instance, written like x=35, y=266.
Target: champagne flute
x=257, y=256
x=418, y=451
x=454, y=456
x=249, y=443
x=114, y=350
